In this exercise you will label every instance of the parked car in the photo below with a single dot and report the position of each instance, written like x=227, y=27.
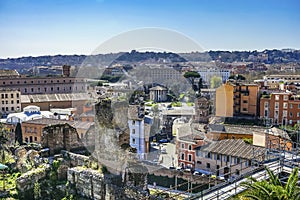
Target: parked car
x=196, y=173
x=179, y=168
x=164, y=141
x=187, y=170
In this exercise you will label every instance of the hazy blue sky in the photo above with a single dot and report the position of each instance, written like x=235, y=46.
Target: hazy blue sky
x=77, y=27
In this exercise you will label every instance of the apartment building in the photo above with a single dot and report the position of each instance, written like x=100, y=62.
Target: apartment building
x=186, y=146
x=227, y=158
x=237, y=98
x=10, y=101
x=284, y=77
x=139, y=127
x=207, y=74
x=280, y=108
x=43, y=85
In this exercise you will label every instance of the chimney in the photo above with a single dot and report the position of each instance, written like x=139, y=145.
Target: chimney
x=66, y=70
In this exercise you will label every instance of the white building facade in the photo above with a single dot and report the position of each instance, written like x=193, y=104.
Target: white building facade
x=207, y=74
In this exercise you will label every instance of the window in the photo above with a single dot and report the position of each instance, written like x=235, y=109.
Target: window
x=208, y=165
x=291, y=121
x=57, y=88
x=298, y=114
x=291, y=105
x=6, y=102
x=133, y=140
x=11, y=95
x=276, y=97
x=218, y=157
x=285, y=97
x=45, y=89
x=18, y=101
x=6, y=95
x=133, y=131
x=238, y=160
x=35, y=138
x=284, y=113
x=291, y=114
x=12, y=108
x=182, y=156
x=285, y=105
x=25, y=90
x=18, y=95
x=276, y=105
x=133, y=122
x=2, y=96
x=266, y=113
x=30, y=139
x=26, y=139
x=182, y=145
x=244, y=109
x=208, y=155
x=12, y=101
x=237, y=172
x=298, y=106
x=51, y=88
x=190, y=147
x=227, y=158
x=234, y=160
x=190, y=157
x=245, y=101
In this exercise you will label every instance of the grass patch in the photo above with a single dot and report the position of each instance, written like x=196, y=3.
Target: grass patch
x=176, y=104
x=190, y=104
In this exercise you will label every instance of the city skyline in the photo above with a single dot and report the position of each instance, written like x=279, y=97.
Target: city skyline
x=33, y=28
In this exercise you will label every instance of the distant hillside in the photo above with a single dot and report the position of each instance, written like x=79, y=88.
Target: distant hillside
x=266, y=56
x=135, y=56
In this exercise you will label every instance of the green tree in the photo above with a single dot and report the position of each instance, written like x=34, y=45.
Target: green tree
x=191, y=75
x=200, y=85
x=237, y=77
x=215, y=82
x=18, y=134
x=3, y=140
x=37, y=191
x=272, y=189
